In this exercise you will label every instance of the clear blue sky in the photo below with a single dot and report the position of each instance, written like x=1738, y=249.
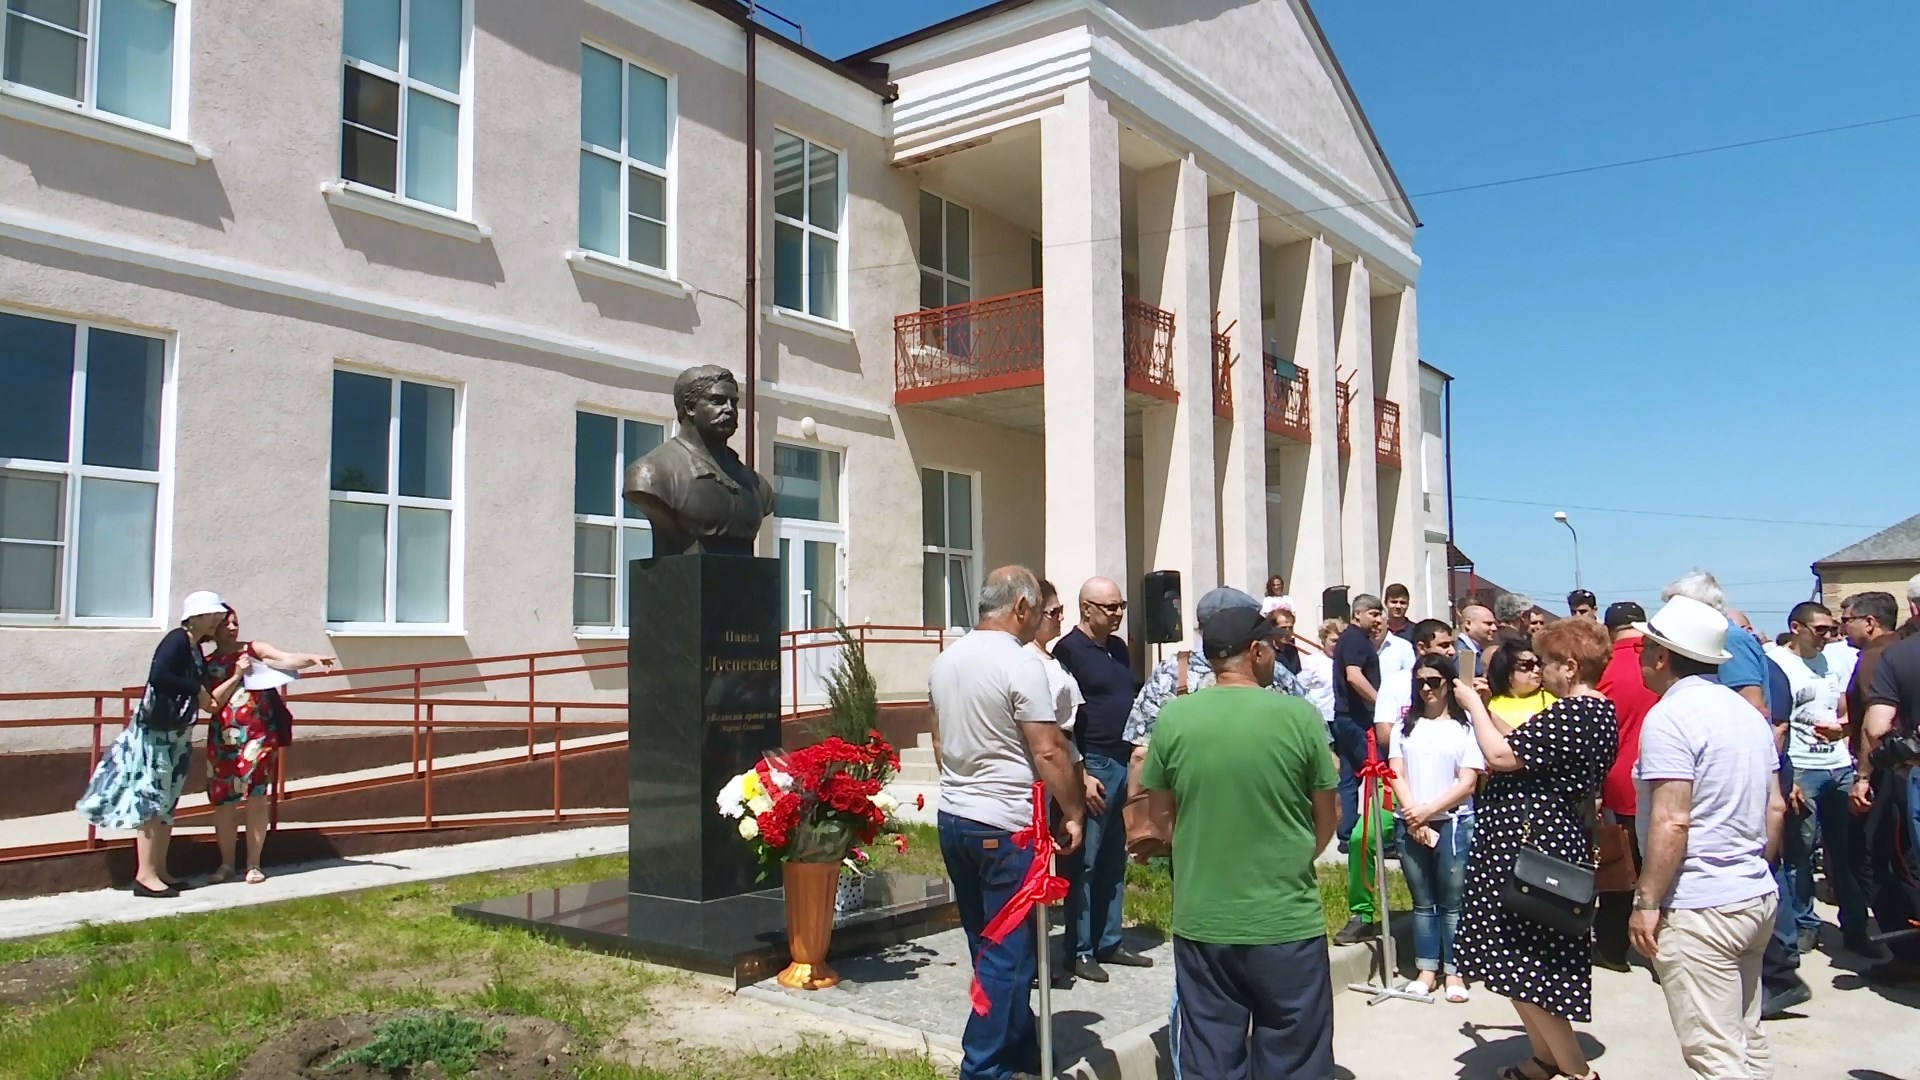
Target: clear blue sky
x=1731, y=334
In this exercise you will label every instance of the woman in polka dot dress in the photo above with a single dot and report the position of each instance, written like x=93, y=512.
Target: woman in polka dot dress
x=1538, y=777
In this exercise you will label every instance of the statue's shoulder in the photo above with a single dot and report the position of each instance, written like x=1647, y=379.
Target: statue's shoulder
x=661, y=471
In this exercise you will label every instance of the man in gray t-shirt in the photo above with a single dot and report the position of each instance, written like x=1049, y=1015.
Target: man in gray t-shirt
x=997, y=735
x=1710, y=819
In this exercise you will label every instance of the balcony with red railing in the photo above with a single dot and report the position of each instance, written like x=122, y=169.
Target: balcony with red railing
x=1147, y=340
x=1223, y=373
x=1343, y=402
x=1386, y=427
x=998, y=344
x=1289, y=412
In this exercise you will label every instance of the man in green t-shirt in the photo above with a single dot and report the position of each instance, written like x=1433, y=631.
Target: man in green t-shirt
x=1244, y=773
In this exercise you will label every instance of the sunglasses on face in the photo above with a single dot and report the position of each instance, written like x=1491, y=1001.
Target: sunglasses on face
x=1826, y=629
x=1055, y=612
x=1526, y=665
x=1432, y=682
x=1114, y=608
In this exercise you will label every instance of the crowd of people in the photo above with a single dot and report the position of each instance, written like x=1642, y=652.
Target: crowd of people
x=1514, y=749
x=138, y=783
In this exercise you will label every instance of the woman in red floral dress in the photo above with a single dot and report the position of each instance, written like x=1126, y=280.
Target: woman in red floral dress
x=243, y=738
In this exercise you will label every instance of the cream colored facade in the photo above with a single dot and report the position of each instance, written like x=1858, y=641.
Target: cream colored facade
x=1211, y=164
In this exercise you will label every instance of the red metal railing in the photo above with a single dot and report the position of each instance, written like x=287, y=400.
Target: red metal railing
x=972, y=348
x=402, y=704
x=1223, y=370
x=1386, y=427
x=1289, y=411
x=1148, y=344
x=1343, y=402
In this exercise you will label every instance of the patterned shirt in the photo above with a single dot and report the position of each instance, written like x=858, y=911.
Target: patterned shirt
x=1161, y=688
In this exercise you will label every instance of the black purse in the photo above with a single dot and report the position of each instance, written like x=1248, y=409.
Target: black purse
x=161, y=711
x=1549, y=890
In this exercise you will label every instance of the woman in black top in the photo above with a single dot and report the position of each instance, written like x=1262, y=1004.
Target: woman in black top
x=139, y=779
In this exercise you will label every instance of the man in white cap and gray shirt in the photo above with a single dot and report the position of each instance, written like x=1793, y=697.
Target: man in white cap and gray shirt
x=1710, y=820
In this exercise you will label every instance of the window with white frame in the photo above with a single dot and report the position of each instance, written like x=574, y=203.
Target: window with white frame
x=807, y=201
x=806, y=483
x=608, y=533
x=392, y=519
x=80, y=480
x=946, y=252
x=107, y=56
x=626, y=125
x=403, y=93
x=949, y=547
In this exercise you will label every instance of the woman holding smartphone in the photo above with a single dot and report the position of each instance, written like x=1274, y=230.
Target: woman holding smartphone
x=1436, y=763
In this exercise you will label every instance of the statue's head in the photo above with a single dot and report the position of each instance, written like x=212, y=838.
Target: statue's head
x=708, y=399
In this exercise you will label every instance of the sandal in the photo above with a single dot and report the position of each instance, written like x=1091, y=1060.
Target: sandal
x=1459, y=995
x=1415, y=986
x=221, y=876
x=255, y=877
x=1519, y=1072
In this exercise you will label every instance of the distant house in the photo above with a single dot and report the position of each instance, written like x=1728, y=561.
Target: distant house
x=1882, y=562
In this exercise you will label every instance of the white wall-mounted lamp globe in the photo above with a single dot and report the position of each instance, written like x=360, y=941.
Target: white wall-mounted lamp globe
x=808, y=429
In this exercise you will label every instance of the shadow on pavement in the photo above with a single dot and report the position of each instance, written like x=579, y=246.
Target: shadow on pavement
x=1488, y=1056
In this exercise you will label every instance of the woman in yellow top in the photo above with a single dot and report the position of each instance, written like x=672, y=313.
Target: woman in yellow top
x=1513, y=674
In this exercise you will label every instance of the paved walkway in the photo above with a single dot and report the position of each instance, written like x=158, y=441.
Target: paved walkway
x=1851, y=1030
x=48, y=914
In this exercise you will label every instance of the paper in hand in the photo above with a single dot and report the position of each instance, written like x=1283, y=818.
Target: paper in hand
x=262, y=677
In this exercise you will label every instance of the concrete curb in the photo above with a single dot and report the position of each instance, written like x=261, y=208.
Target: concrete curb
x=1139, y=1053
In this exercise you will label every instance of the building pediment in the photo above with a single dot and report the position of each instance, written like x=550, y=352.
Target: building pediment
x=1256, y=76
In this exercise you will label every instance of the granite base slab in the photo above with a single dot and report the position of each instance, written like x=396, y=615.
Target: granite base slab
x=743, y=938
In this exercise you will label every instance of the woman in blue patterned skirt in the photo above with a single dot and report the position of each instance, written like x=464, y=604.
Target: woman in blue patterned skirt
x=139, y=779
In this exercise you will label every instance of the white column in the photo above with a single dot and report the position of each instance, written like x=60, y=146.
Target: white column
x=1359, y=488
x=1176, y=454
x=1309, y=481
x=1243, y=480
x=1084, y=395
x=1407, y=537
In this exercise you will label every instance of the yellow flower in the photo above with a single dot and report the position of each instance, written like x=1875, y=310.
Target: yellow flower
x=750, y=785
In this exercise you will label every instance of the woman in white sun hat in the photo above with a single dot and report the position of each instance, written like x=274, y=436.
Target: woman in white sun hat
x=139, y=779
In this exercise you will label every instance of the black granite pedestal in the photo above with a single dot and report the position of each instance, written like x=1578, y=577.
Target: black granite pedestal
x=703, y=674
x=743, y=938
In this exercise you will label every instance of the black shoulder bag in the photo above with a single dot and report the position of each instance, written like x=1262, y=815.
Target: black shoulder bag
x=1549, y=890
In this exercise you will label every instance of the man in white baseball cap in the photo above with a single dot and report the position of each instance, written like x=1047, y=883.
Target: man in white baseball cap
x=1710, y=819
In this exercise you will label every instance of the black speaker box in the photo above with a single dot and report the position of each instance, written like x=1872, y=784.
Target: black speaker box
x=1334, y=604
x=1160, y=606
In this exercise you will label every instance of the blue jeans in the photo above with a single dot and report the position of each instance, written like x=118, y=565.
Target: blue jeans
x=1436, y=878
x=1098, y=871
x=986, y=869
x=1830, y=816
x=1350, y=743
x=1786, y=929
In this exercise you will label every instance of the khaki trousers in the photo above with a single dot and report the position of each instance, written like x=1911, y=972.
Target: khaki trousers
x=1709, y=968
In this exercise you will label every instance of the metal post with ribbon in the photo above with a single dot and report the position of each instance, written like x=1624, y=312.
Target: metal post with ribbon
x=1372, y=775
x=1039, y=888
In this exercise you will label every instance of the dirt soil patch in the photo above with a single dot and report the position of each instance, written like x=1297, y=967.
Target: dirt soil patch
x=531, y=1050
x=43, y=978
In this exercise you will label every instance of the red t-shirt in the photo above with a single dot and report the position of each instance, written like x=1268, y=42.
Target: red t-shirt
x=1622, y=685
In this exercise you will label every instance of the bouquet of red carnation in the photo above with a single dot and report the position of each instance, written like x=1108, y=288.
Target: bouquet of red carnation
x=813, y=804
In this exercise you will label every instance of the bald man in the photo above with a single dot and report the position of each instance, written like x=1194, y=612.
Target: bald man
x=1096, y=656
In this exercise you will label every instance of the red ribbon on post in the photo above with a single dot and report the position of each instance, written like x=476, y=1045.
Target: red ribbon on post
x=1374, y=773
x=1040, y=886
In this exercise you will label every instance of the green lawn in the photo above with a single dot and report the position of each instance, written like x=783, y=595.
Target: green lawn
x=190, y=997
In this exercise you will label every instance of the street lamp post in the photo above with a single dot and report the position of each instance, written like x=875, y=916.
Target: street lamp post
x=1561, y=517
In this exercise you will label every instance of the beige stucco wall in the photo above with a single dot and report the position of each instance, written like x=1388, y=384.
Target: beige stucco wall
x=1839, y=582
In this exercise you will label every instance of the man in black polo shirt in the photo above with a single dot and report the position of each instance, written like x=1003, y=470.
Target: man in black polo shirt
x=1890, y=774
x=1356, y=683
x=1096, y=656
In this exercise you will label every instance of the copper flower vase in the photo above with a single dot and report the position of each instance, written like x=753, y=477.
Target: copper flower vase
x=809, y=892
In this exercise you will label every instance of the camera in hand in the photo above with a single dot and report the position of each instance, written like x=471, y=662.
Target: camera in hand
x=1896, y=750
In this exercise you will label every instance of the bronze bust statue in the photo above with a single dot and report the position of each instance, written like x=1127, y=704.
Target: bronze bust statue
x=697, y=493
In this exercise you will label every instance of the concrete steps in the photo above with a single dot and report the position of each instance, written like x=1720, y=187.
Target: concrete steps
x=918, y=765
